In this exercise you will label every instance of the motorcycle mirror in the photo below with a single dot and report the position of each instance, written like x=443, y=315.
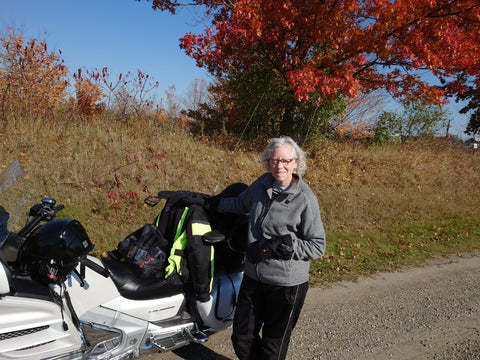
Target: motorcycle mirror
x=152, y=200
x=213, y=237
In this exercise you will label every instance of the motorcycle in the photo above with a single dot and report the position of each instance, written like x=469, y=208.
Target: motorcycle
x=57, y=301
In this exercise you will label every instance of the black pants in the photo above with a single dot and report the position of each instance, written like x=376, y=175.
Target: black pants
x=274, y=307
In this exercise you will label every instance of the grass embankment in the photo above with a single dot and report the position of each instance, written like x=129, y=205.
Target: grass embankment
x=383, y=207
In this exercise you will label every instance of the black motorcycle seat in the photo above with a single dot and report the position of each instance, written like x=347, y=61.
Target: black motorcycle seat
x=132, y=287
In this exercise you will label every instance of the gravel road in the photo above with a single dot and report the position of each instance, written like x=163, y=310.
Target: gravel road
x=431, y=312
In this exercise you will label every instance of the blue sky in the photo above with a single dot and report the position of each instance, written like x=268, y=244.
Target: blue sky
x=123, y=35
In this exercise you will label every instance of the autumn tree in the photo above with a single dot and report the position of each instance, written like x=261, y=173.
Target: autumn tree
x=88, y=96
x=323, y=49
x=32, y=78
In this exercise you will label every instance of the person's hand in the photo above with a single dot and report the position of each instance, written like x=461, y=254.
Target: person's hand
x=282, y=247
x=278, y=247
x=258, y=251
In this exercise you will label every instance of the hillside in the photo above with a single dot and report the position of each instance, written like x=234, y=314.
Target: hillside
x=383, y=206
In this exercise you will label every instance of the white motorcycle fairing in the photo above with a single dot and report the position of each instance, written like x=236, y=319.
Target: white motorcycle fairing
x=98, y=290
x=163, y=322
x=34, y=329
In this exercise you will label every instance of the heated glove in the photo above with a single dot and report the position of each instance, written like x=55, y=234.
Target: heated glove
x=258, y=251
x=278, y=247
x=283, y=247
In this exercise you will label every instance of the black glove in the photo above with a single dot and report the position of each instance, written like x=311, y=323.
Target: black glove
x=283, y=247
x=279, y=247
x=258, y=251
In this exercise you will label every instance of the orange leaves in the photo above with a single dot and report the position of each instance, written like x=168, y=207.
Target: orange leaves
x=32, y=79
x=341, y=47
x=88, y=95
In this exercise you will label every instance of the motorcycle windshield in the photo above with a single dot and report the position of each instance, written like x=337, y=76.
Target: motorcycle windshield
x=13, y=198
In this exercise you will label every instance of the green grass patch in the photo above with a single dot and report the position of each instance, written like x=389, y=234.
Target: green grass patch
x=352, y=254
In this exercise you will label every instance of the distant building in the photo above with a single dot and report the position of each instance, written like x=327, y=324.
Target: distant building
x=472, y=143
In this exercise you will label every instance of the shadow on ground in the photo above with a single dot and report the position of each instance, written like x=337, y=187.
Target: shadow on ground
x=198, y=352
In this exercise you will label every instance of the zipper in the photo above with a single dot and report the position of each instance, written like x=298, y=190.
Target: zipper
x=270, y=202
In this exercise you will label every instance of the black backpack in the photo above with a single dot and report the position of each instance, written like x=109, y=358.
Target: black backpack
x=145, y=251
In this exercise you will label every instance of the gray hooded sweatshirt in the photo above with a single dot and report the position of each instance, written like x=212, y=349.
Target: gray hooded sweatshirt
x=294, y=211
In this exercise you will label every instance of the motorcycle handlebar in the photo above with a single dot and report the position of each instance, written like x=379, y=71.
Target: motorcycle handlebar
x=97, y=268
x=45, y=211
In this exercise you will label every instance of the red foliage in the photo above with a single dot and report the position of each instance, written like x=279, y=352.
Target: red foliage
x=343, y=46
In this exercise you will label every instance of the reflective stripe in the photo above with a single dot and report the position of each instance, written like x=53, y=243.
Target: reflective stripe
x=179, y=243
x=212, y=253
x=200, y=228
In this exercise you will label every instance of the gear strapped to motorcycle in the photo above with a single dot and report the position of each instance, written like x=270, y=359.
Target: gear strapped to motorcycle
x=52, y=292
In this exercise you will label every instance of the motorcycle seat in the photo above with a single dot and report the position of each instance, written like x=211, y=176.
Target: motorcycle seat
x=132, y=287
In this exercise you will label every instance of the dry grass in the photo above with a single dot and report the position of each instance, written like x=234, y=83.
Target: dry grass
x=360, y=187
x=370, y=196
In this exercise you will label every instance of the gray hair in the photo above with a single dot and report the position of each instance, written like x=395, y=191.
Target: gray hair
x=298, y=154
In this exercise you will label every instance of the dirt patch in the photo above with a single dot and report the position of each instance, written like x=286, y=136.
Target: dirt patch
x=432, y=312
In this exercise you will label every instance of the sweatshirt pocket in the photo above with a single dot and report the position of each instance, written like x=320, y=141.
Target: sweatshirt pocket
x=277, y=272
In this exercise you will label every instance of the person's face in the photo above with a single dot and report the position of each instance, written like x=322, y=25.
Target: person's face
x=282, y=164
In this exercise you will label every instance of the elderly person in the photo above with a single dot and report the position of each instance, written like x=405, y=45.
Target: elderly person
x=285, y=231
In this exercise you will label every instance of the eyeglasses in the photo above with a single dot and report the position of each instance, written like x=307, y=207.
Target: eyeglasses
x=282, y=161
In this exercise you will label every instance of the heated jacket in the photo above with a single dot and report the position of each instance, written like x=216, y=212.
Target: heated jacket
x=294, y=211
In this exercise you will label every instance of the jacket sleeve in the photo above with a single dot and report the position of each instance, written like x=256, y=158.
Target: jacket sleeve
x=312, y=243
x=240, y=204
